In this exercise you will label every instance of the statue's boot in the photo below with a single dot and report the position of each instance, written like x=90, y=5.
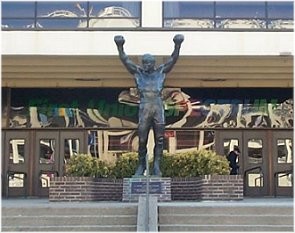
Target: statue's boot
x=141, y=166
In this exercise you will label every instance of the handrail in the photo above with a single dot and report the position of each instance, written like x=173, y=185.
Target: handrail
x=287, y=172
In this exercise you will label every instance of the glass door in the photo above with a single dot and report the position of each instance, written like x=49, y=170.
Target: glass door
x=225, y=142
x=46, y=161
x=253, y=159
x=17, y=155
x=283, y=163
x=72, y=143
x=256, y=159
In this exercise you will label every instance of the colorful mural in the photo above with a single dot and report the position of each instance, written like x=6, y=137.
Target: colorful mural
x=182, y=110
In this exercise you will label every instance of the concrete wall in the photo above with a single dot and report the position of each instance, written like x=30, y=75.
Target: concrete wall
x=101, y=43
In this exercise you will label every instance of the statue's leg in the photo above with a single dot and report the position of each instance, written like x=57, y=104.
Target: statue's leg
x=159, y=130
x=143, y=131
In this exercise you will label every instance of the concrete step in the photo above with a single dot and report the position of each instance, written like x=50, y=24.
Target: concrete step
x=120, y=218
x=231, y=210
x=80, y=228
x=223, y=228
x=225, y=218
x=38, y=211
x=212, y=219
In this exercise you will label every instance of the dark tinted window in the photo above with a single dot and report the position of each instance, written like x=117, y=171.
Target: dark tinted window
x=18, y=9
x=188, y=9
x=240, y=9
x=282, y=10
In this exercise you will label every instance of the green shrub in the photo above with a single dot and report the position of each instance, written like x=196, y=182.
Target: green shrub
x=125, y=165
x=85, y=165
x=80, y=165
x=186, y=164
x=194, y=163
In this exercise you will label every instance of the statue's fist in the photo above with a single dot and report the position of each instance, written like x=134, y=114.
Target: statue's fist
x=119, y=40
x=178, y=39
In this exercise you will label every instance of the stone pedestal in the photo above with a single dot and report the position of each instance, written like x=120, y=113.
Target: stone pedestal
x=159, y=187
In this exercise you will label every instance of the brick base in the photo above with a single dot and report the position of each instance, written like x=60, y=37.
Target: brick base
x=85, y=189
x=207, y=187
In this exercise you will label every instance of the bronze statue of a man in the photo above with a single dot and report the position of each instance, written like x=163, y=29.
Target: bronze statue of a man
x=150, y=81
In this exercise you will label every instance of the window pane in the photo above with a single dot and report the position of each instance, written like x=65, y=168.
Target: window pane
x=4, y=108
x=94, y=143
x=192, y=140
x=114, y=9
x=59, y=23
x=280, y=10
x=16, y=180
x=16, y=151
x=112, y=22
x=241, y=23
x=188, y=9
x=114, y=14
x=281, y=24
x=240, y=9
x=255, y=150
x=72, y=147
x=17, y=23
x=285, y=180
x=228, y=145
x=119, y=141
x=285, y=151
x=45, y=179
x=18, y=9
x=61, y=9
x=255, y=180
x=47, y=149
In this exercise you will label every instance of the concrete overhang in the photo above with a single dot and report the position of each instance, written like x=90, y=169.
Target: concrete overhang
x=90, y=59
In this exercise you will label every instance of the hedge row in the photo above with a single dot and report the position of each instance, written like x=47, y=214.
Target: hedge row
x=188, y=164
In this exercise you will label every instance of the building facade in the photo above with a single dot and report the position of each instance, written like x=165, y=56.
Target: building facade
x=65, y=91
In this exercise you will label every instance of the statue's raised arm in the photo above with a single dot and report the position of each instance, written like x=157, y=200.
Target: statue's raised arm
x=131, y=67
x=178, y=39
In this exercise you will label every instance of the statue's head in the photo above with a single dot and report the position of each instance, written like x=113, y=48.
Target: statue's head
x=148, y=62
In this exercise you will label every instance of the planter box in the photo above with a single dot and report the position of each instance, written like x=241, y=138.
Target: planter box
x=85, y=189
x=207, y=187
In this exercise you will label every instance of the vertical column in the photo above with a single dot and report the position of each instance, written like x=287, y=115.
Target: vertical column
x=151, y=13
